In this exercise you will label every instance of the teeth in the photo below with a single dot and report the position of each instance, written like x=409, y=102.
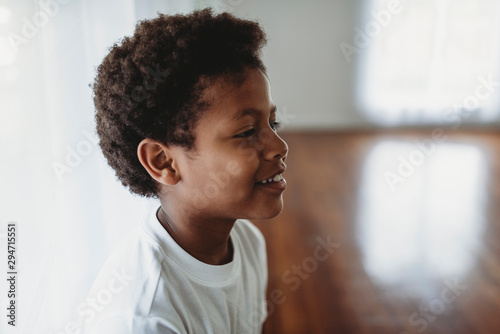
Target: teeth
x=276, y=178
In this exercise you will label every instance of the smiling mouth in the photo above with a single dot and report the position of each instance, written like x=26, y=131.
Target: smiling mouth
x=275, y=184
x=275, y=178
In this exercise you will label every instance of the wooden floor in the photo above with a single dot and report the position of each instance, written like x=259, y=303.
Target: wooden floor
x=384, y=234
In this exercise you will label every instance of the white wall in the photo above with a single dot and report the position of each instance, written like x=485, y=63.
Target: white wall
x=310, y=76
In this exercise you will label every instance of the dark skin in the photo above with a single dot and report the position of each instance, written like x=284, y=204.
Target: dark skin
x=204, y=190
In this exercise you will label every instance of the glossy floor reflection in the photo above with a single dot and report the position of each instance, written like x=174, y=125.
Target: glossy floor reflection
x=418, y=217
x=417, y=229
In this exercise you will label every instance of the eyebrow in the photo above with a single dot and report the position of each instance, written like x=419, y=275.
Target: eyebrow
x=251, y=111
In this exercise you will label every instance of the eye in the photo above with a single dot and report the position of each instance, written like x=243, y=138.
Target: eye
x=275, y=125
x=246, y=134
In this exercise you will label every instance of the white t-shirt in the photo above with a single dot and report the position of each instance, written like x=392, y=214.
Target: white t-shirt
x=151, y=285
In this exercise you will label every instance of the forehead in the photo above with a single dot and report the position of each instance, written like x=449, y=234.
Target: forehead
x=233, y=99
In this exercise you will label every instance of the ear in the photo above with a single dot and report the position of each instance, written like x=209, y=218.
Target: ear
x=157, y=159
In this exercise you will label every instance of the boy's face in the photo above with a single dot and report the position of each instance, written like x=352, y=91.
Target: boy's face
x=235, y=147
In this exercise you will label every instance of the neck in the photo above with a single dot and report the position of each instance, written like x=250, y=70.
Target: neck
x=205, y=239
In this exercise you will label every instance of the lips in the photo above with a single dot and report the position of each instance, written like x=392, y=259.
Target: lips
x=276, y=177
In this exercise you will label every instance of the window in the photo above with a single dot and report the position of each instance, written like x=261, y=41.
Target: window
x=430, y=61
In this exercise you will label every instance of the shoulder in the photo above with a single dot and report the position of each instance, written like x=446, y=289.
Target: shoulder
x=125, y=285
x=137, y=255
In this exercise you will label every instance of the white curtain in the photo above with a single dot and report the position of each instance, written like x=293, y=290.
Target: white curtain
x=55, y=185
x=429, y=61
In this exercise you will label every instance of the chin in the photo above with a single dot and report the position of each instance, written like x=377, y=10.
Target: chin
x=274, y=215
x=270, y=211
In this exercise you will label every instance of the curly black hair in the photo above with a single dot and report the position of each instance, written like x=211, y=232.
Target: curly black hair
x=151, y=85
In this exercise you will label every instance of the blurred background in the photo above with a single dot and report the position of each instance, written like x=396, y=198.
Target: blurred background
x=391, y=110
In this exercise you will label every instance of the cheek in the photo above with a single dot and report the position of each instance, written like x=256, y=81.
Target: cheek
x=241, y=175
x=235, y=177
x=222, y=178
x=227, y=174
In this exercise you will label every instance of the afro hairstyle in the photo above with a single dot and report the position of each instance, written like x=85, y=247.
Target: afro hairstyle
x=151, y=85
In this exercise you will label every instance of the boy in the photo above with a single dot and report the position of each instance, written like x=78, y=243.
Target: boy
x=185, y=115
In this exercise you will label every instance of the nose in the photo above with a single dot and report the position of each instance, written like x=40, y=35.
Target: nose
x=274, y=146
